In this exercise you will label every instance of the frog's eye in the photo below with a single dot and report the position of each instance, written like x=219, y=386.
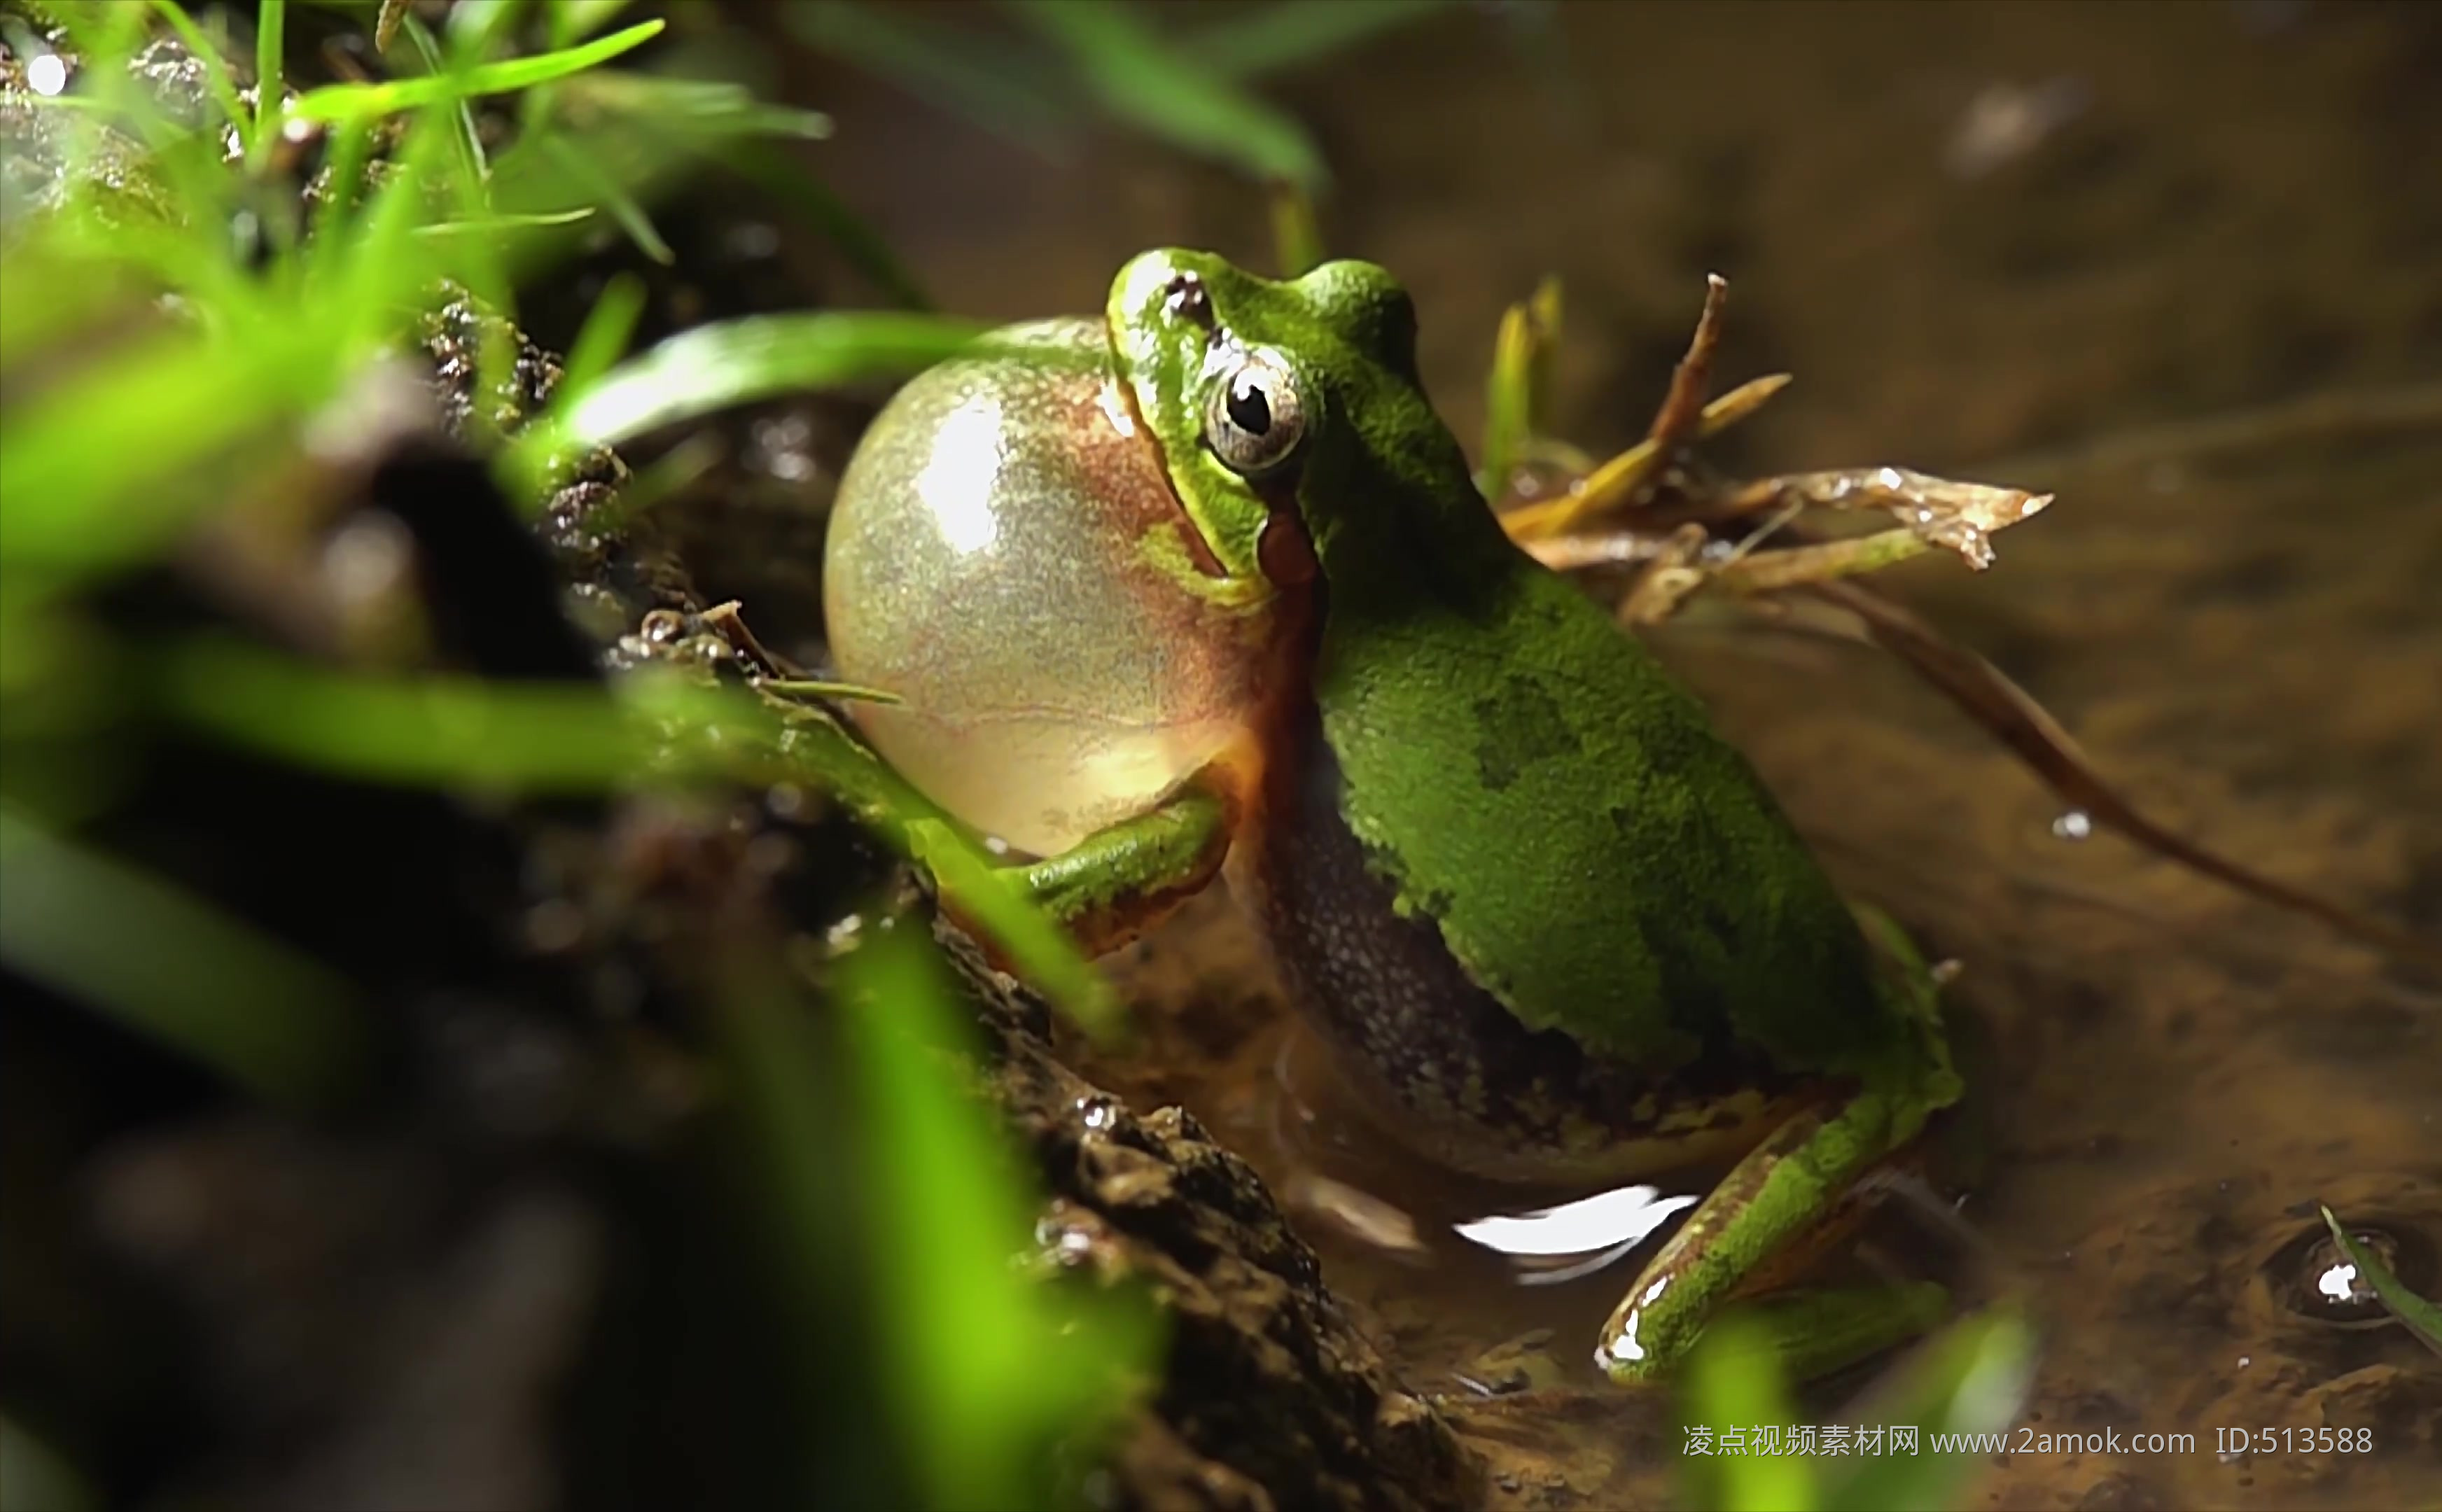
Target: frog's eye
x=1256, y=415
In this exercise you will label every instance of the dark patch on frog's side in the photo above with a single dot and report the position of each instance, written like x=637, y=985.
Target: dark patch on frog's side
x=1705, y=934
x=1522, y=724
x=1441, y=1060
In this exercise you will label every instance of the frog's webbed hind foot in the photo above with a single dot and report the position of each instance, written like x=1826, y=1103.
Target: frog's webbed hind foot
x=1795, y=1180
x=1815, y=1331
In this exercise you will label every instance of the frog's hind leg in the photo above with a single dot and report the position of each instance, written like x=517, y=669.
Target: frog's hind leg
x=1773, y=1200
x=1815, y=1331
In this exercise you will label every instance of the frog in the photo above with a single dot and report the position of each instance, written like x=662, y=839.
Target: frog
x=1551, y=924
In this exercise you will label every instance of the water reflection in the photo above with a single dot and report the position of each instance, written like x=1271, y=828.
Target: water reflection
x=1574, y=1239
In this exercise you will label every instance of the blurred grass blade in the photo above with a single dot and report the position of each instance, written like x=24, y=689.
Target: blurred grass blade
x=1039, y=951
x=351, y=147
x=573, y=19
x=270, y=37
x=35, y=1478
x=1290, y=32
x=797, y=1192
x=105, y=464
x=494, y=225
x=458, y=732
x=427, y=731
x=1734, y=1381
x=699, y=110
x=601, y=341
x=991, y=1368
x=1297, y=241
x=1972, y=1379
x=1517, y=397
x=815, y=747
x=474, y=166
x=2422, y=1319
x=217, y=82
x=476, y=26
x=983, y=83
x=78, y=457
x=605, y=187
x=716, y=367
x=336, y=102
x=74, y=290
x=168, y=964
x=791, y=189
x=1139, y=79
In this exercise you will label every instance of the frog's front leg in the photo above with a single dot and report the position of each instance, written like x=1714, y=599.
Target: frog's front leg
x=1787, y=1184
x=1119, y=882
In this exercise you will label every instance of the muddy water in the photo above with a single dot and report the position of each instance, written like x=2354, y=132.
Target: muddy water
x=2017, y=242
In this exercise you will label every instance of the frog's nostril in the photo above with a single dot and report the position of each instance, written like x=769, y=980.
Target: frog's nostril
x=1184, y=298
x=2311, y=1278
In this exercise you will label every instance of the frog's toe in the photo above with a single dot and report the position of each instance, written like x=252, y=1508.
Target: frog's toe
x=1810, y=1333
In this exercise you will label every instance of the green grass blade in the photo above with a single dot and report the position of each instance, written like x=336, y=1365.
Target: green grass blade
x=817, y=749
x=985, y=86
x=336, y=102
x=34, y=1475
x=604, y=186
x=797, y=1192
x=1284, y=35
x=1038, y=950
x=1517, y=396
x=1734, y=1381
x=1296, y=239
x=433, y=731
x=217, y=82
x=168, y=964
x=2422, y=1319
x=48, y=289
x=1166, y=93
x=716, y=367
x=270, y=40
x=608, y=327
x=94, y=463
x=1971, y=1378
x=991, y=1366
x=351, y=148
x=456, y=731
x=383, y=270
x=794, y=191
x=701, y=111
x=572, y=20
x=494, y=225
x=476, y=26
x=473, y=168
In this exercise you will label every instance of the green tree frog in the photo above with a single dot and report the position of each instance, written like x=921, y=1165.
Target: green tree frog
x=1216, y=592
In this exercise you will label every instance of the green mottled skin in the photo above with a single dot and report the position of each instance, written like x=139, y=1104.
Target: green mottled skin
x=1473, y=696
x=1524, y=777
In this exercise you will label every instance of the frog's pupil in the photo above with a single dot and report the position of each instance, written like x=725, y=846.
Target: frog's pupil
x=1248, y=410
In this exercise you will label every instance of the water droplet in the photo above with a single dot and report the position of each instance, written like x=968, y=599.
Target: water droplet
x=2313, y=1279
